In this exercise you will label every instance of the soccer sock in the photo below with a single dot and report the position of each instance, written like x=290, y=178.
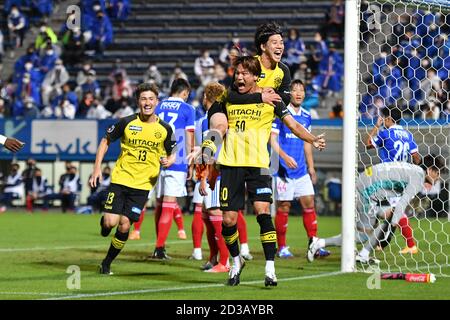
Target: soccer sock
x=158, y=210
x=406, y=231
x=117, y=243
x=332, y=241
x=310, y=222
x=137, y=225
x=197, y=226
x=267, y=235
x=242, y=227
x=178, y=217
x=29, y=203
x=281, y=223
x=213, y=250
x=231, y=235
x=165, y=222
x=220, y=242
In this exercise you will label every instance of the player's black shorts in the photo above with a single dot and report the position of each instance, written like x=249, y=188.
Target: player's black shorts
x=233, y=183
x=125, y=201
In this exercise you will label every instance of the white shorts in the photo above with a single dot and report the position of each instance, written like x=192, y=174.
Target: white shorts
x=171, y=183
x=211, y=200
x=290, y=189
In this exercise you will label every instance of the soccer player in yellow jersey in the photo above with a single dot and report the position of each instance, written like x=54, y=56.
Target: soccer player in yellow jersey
x=244, y=162
x=146, y=142
x=275, y=77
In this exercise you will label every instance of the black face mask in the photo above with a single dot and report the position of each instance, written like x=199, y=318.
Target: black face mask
x=105, y=175
x=71, y=176
x=39, y=179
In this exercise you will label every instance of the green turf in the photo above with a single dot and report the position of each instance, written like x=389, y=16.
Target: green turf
x=36, y=250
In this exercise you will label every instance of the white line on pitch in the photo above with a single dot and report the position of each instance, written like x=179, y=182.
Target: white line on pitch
x=32, y=293
x=116, y=293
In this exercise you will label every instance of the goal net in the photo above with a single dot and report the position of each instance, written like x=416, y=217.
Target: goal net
x=404, y=62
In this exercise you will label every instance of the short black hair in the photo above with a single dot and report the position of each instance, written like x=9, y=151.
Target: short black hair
x=393, y=112
x=146, y=87
x=263, y=33
x=179, y=85
x=434, y=162
x=296, y=82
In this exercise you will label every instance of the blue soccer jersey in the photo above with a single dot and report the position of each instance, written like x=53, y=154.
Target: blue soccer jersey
x=292, y=145
x=395, y=144
x=180, y=116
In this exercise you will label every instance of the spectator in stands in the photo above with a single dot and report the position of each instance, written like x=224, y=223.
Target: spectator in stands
x=120, y=88
x=39, y=189
x=125, y=106
x=118, y=9
x=53, y=82
x=331, y=71
x=204, y=69
x=83, y=74
x=118, y=69
x=91, y=85
x=177, y=74
x=235, y=43
x=98, y=195
x=44, y=7
x=30, y=55
x=337, y=112
x=64, y=110
x=97, y=111
x=152, y=75
x=28, y=174
x=335, y=23
x=48, y=60
x=73, y=46
x=27, y=92
x=319, y=50
x=70, y=187
x=68, y=94
x=85, y=105
x=45, y=33
x=102, y=33
x=13, y=188
x=233, y=54
x=294, y=49
x=17, y=24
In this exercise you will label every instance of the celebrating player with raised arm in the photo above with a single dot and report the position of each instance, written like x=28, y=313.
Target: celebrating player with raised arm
x=147, y=142
x=244, y=162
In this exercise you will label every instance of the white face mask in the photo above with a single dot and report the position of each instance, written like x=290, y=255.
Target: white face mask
x=125, y=94
x=50, y=52
x=86, y=67
x=43, y=29
x=26, y=80
x=15, y=13
x=28, y=66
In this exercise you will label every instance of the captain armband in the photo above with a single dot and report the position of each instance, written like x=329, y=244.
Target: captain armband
x=211, y=143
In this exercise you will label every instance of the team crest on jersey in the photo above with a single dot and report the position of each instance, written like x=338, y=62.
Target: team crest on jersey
x=260, y=105
x=111, y=129
x=158, y=135
x=277, y=82
x=135, y=128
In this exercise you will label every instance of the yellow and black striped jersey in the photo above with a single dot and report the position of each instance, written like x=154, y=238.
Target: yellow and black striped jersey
x=142, y=145
x=249, y=127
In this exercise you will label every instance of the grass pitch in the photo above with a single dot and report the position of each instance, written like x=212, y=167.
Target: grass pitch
x=37, y=249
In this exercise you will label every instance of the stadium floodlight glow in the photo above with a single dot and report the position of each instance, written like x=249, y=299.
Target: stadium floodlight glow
x=397, y=53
